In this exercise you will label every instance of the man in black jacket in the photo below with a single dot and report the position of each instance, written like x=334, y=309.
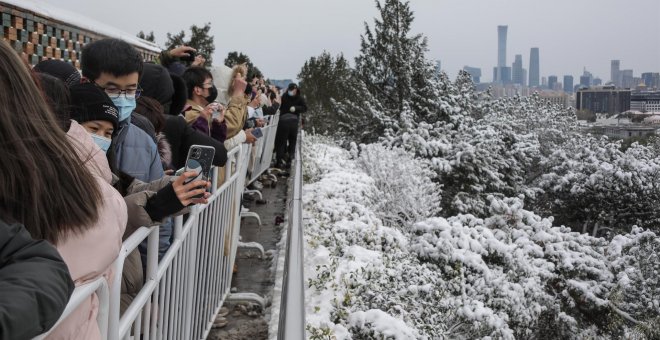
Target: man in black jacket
x=35, y=284
x=292, y=106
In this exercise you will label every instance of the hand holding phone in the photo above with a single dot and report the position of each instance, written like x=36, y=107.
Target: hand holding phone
x=190, y=191
x=199, y=161
x=257, y=133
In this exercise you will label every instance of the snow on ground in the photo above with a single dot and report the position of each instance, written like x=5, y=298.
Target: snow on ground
x=511, y=275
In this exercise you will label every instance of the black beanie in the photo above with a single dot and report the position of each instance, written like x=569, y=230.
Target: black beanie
x=59, y=69
x=88, y=102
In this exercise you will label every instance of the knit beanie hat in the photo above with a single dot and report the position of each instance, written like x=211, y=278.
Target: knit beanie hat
x=88, y=102
x=59, y=69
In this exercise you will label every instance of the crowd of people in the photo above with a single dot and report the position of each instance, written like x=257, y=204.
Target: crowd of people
x=90, y=155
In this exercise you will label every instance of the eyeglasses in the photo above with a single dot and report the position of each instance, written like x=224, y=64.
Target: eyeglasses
x=115, y=93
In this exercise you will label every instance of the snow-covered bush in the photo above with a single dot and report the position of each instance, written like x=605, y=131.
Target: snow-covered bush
x=407, y=192
x=512, y=274
x=592, y=185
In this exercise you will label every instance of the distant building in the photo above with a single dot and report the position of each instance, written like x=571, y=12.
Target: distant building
x=504, y=73
x=605, y=99
x=614, y=72
x=552, y=82
x=651, y=80
x=475, y=72
x=556, y=97
x=568, y=84
x=534, y=67
x=596, y=82
x=501, y=56
x=438, y=66
x=627, y=80
x=645, y=101
x=517, y=74
x=626, y=131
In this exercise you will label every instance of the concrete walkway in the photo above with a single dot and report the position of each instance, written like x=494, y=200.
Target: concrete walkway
x=255, y=275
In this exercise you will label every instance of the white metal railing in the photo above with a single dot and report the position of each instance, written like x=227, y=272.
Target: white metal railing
x=264, y=149
x=292, y=302
x=183, y=292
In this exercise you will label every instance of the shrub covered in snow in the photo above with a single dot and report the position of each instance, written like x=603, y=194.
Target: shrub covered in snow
x=512, y=274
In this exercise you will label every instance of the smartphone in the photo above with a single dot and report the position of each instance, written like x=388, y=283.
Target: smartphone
x=257, y=133
x=200, y=160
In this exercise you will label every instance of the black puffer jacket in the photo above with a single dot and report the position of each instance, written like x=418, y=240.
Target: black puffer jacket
x=35, y=284
x=297, y=101
x=181, y=136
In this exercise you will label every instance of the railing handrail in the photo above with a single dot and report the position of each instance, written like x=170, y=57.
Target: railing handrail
x=292, y=307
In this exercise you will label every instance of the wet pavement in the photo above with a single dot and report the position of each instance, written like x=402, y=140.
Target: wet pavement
x=255, y=275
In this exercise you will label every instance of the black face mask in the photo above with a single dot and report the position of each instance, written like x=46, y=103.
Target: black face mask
x=213, y=94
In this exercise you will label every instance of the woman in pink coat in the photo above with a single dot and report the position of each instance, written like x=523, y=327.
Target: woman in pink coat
x=58, y=186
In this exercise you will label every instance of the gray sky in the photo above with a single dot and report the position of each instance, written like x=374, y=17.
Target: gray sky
x=280, y=35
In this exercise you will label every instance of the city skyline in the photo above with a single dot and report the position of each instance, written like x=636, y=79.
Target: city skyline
x=459, y=32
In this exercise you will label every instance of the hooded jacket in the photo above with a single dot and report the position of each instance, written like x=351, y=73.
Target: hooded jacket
x=34, y=281
x=90, y=255
x=296, y=101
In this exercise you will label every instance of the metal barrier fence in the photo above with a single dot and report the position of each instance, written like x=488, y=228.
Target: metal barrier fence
x=292, y=303
x=264, y=149
x=184, y=291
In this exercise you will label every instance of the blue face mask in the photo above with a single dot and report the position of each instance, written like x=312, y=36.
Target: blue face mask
x=290, y=93
x=125, y=104
x=102, y=142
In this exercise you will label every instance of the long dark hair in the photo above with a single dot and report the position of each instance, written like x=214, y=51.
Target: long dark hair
x=43, y=183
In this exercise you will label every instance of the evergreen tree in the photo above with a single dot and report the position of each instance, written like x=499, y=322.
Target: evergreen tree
x=200, y=39
x=393, y=66
x=236, y=58
x=339, y=104
x=147, y=37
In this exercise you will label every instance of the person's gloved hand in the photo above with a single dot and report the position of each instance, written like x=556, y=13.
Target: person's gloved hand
x=292, y=109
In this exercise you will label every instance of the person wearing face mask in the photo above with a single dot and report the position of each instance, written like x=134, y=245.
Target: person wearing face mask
x=204, y=115
x=293, y=105
x=147, y=204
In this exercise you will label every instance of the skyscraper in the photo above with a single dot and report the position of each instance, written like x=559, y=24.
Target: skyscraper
x=501, y=52
x=534, y=67
x=517, y=76
x=614, y=72
x=552, y=82
x=568, y=84
x=475, y=72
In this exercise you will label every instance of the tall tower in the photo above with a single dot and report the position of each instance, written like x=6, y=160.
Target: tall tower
x=534, y=67
x=614, y=72
x=501, y=51
x=517, y=71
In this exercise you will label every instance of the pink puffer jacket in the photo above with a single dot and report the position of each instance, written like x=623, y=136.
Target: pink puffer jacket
x=91, y=255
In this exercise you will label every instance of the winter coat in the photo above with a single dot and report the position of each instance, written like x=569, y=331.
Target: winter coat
x=137, y=154
x=34, y=281
x=91, y=255
x=236, y=115
x=271, y=110
x=194, y=118
x=144, y=124
x=181, y=136
x=296, y=101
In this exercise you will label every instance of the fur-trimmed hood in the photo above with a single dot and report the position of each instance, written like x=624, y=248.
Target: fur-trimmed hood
x=164, y=150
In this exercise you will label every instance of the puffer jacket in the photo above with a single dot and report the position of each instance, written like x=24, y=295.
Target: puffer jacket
x=91, y=255
x=137, y=154
x=34, y=281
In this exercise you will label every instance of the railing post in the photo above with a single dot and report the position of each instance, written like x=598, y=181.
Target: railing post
x=190, y=272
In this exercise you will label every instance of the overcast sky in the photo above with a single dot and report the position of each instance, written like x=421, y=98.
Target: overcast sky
x=280, y=35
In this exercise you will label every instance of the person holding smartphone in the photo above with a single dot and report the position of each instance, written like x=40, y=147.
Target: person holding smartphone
x=204, y=114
